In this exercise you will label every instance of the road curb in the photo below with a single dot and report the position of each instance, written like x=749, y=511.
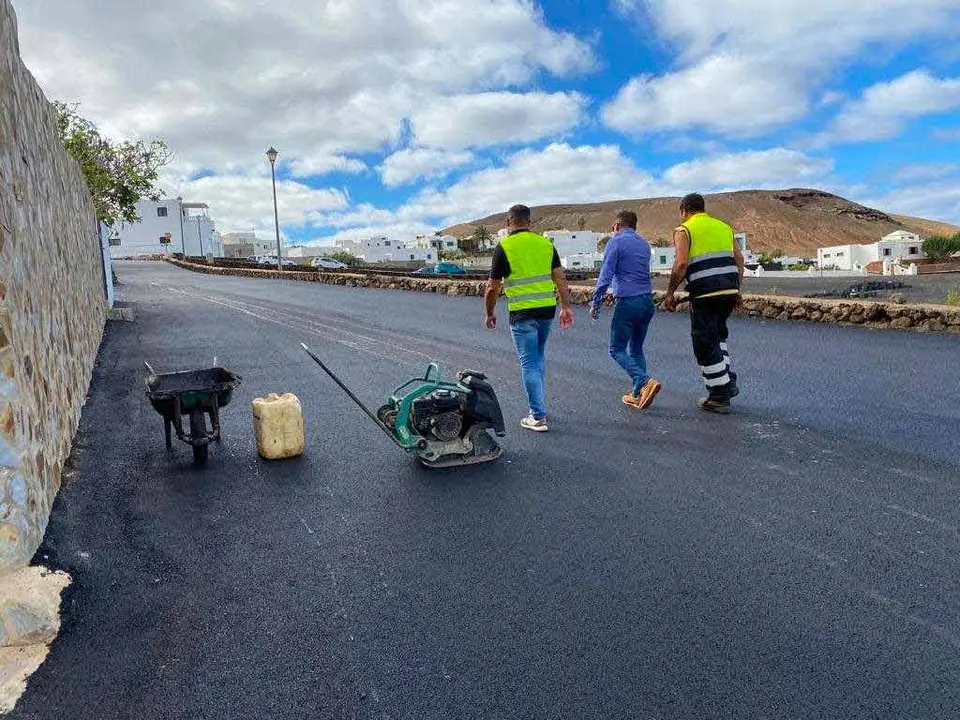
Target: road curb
x=865, y=313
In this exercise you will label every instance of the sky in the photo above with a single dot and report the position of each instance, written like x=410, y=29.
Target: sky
x=401, y=117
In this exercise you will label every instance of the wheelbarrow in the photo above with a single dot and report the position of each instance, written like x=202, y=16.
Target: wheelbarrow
x=198, y=394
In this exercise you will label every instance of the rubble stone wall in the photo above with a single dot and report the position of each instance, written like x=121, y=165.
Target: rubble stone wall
x=52, y=302
x=878, y=315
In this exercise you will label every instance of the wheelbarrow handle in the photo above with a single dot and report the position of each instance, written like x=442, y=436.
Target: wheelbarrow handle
x=150, y=369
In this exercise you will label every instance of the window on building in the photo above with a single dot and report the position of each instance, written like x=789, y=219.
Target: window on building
x=913, y=251
x=826, y=255
x=114, y=242
x=886, y=252
x=386, y=243
x=663, y=259
x=161, y=212
x=411, y=257
x=840, y=254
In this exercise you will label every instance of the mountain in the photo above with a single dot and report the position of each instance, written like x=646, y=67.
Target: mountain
x=796, y=221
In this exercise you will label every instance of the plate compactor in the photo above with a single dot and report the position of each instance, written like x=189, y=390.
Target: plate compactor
x=445, y=424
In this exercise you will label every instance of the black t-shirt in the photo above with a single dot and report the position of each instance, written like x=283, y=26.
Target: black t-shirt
x=501, y=269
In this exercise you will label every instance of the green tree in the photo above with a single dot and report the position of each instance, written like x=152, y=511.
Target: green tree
x=479, y=239
x=119, y=174
x=940, y=247
x=661, y=242
x=347, y=258
x=602, y=243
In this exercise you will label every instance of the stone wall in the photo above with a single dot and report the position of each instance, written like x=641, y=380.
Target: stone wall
x=879, y=315
x=51, y=302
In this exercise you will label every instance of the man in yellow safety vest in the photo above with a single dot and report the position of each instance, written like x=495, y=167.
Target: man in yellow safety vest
x=527, y=268
x=711, y=263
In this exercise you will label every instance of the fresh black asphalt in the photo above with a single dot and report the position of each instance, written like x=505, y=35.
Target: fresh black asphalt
x=796, y=559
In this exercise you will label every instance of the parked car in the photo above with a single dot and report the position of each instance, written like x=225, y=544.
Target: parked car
x=441, y=269
x=328, y=264
x=272, y=260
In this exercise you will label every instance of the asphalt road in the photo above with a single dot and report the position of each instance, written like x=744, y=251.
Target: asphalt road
x=796, y=559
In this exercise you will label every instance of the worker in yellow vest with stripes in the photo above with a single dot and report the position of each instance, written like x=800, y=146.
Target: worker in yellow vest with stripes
x=711, y=262
x=527, y=268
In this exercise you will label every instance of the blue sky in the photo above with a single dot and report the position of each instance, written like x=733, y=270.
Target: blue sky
x=403, y=116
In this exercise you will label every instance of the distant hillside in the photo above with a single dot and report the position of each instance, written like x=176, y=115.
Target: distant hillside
x=796, y=221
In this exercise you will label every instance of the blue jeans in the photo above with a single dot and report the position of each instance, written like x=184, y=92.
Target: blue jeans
x=530, y=339
x=628, y=330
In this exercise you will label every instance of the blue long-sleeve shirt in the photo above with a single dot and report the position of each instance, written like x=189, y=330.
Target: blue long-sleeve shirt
x=626, y=266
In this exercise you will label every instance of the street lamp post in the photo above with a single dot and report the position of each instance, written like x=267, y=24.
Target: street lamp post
x=272, y=157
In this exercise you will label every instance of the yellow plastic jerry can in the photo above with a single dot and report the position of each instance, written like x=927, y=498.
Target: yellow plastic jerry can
x=278, y=426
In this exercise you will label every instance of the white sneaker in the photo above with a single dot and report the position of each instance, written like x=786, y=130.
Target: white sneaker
x=531, y=423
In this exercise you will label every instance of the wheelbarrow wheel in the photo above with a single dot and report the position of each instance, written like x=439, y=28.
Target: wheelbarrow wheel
x=198, y=429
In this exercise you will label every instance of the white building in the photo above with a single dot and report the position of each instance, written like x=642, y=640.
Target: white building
x=168, y=226
x=246, y=244
x=582, y=261
x=384, y=249
x=574, y=243
x=662, y=259
x=304, y=252
x=447, y=243
x=899, y=246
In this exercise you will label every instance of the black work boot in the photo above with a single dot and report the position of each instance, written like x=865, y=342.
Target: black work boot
x=734, y=388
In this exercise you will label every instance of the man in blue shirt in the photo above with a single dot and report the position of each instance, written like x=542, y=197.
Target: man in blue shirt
x=626, y=266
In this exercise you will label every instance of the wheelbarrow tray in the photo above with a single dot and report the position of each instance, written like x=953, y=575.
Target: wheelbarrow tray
x=195, y=388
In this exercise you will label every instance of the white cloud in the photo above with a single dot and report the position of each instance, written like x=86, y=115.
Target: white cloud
x=223, y=80
x=411, y=164
x=926, y=171
x=768, y=58
x=728, y=94
x=496, y=118
x=560, y=173
x=322, y=164
x=244, y=202
x=758, y=169
x=884, y=109
x=938, y=200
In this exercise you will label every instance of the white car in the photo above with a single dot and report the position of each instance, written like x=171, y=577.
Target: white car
x=272, y=260
x=328, y=263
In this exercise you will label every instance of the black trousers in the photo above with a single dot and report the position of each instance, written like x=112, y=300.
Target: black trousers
x=708, y=329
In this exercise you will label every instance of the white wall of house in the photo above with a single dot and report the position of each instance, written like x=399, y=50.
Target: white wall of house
x=300, y=252
x=261, y=246
x=857, y=257
x=384, y=249
x=157, y=220
x=582, y=261
x=447, y=243
x=662, y=259
x=171, y=220
x=574, y=243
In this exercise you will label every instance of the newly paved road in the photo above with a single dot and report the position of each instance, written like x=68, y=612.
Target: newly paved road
x=798, y=559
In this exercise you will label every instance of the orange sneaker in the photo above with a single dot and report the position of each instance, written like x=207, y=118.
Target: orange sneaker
x=631, y=400
x=647, y=393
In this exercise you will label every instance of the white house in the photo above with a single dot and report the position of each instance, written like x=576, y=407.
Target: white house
x=167, y=226
x=303, y=252
x=582, y=261
x=662, y=258
x=896, y=247
x=574, y=243
x=446, y=243
x=245, y=244
x=383, y=249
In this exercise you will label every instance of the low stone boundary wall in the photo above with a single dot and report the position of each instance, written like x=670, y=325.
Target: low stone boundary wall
x=878, y=315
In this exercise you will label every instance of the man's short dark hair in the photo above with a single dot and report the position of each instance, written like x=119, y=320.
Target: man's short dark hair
x=627, y=218
x=693, y=203
x=519, y=214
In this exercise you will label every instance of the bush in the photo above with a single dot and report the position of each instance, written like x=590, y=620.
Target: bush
x=898, y=298
x=799, y=267
x=953, y=298
x=941, y=247
x=346, y=258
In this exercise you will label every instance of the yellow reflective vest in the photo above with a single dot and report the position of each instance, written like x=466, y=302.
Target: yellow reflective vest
x=530, y=283
x=712, y=267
